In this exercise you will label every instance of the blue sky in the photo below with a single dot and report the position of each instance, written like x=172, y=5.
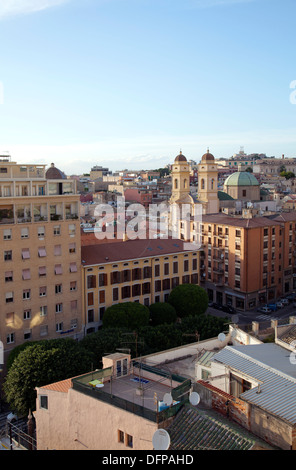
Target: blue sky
x=128, y=83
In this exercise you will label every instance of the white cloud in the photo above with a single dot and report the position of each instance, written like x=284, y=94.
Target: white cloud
x=10, y=8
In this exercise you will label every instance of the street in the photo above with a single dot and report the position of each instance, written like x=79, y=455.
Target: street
x=252, y=315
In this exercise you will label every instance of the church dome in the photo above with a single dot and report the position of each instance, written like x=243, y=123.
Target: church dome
x=241, y=178
x=54, y=173
x=208, y=157
x=180, y=158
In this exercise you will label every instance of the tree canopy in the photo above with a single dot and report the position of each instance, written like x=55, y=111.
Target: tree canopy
x=130, y=315
x=188, y=299
x=162, y=312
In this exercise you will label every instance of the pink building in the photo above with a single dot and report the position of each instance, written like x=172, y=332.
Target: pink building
x=116, y=408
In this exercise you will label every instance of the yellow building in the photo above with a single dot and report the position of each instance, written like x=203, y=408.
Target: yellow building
x=142, y=271
x=40, y=274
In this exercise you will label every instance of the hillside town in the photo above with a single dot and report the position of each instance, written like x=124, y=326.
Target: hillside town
x=76, y=247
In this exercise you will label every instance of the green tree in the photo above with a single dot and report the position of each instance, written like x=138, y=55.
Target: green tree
x=188, y=299
x=162, y=312
x=41, y=364
x=131, y=315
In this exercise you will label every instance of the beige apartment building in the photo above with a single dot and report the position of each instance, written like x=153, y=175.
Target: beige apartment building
x=40, y=275
x=143, y=271
x=247, y=262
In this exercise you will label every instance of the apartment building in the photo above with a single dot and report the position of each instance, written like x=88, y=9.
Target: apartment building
x=247, y=262
x=40, y=251
x=119, y=407
x=142, y=271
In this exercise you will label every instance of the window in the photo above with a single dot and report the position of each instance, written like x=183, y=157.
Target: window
x=175, y=267
x=146, y=288
x=73, y=268
x=103, y=280
x=26, y=294
x=58, y=269
x=42, y=271
x=43, y=330
x=72, y=230
x=125, y=292
x=90, y=316
x=41, y=232
x=136, y=290
x=166, y=284
x=73, y=286
x=146, y=272
x=58, y=288
x=27, y=334
x=186, y=265
x=43, y=400
x=9, y=297
x=7, y=234
x=58, y=308
x=90, y=298
x=24, y=232
x=41, y=252
x=129, y=440
x=157, y=286
x=101, y=313
x=8, y=255
x=166, y=269
x=57, y=250
x=42, y=291
x=43, y=311
x=25, y=253
x=57, y=230
x=27, y=314
x=59, y=327
x=115, y=277
x=72, y=248
x=120, y=436
x=156, y=270
x=91, y=281
x=8, y=276
x=10, y=338
x=101, y=296
x=115, y=294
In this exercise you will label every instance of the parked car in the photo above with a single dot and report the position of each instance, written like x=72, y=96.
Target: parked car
x=284, y=301
x=264, y=310
x=215, y=305
x=228, y=309
x=279, y=304
x=272, y=307
x=291, y=297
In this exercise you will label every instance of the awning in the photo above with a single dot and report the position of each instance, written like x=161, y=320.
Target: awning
x=42, y=252
x=26, y=253
x=26, y=274
x=58, y=269
x=42, y=271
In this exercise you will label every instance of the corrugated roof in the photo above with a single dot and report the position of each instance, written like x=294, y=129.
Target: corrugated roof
x=269, y=365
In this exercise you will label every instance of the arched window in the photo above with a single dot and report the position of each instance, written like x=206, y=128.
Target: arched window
x=212, y=183
x=202, y=184
x=176, y=183
x=185, y=184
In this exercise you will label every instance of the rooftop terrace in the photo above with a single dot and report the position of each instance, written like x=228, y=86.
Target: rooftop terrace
x=139, y=389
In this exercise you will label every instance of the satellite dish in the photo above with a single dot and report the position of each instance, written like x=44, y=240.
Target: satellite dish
x=234, y=318
x=221, y=337
x=161, y=440
x=194, y=398
x=168, y=399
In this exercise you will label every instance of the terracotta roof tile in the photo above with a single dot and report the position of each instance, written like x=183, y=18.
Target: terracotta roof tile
x=131, y=249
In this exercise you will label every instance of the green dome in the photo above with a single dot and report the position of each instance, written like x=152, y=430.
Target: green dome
x=241, y=178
